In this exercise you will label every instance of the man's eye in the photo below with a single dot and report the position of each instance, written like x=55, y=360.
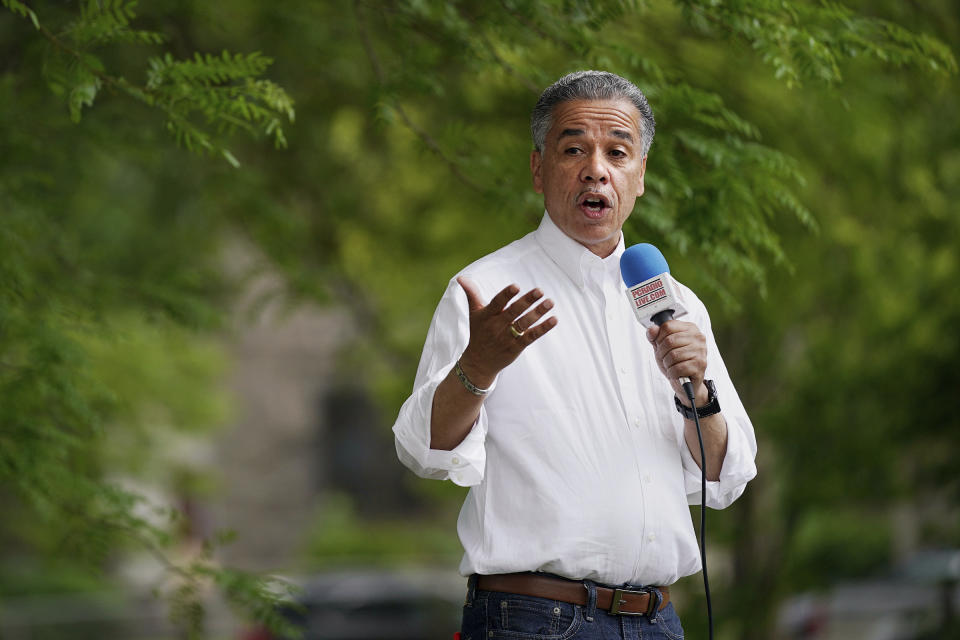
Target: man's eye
x=572, y=151
x=618, y=153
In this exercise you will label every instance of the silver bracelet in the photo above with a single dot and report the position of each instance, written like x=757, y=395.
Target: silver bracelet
x=472, y=388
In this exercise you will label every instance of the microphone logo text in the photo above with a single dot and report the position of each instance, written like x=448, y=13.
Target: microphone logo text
x=648, y=293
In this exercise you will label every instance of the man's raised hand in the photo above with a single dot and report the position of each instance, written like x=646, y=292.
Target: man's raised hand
x=493, y=343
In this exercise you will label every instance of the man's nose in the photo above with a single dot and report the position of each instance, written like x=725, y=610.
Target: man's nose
x=595, y=169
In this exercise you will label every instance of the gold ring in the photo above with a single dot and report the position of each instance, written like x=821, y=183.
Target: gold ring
x=515, y=332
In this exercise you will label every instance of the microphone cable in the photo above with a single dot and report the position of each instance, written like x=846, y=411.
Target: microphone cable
x=688, y=387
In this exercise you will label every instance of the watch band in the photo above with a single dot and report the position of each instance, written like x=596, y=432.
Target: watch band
x=711, y=407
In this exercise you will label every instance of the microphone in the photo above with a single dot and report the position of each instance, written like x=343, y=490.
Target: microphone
x=651, y=290
x=652, y=293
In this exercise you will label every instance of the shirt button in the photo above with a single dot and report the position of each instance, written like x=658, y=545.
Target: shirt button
x=623, y=369
x=651, y=537
x=637, y=422
x=455, y=460
x=647, y=478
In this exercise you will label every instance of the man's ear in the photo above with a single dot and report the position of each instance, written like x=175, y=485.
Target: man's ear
x=536, y=160
x=643, y=171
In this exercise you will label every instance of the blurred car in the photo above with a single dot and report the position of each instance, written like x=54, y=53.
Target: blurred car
x=916, y=600
x=370, y=604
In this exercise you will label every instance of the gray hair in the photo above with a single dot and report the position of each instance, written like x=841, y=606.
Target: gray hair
x=589, y=85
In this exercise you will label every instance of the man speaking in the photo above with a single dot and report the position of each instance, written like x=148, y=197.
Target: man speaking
x=538, y=389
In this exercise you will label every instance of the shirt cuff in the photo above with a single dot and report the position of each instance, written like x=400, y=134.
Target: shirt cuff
x=738, y=469
x=463, y=465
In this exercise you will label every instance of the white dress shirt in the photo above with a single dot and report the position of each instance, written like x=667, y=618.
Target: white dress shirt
x=577, y=464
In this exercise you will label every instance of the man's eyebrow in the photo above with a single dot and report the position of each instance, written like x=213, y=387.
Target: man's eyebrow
x=572, y=132
x=616, y=133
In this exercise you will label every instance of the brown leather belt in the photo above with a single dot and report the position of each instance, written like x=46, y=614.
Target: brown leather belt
x=618, y=601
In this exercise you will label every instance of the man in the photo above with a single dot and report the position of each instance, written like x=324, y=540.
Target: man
x=564, y=424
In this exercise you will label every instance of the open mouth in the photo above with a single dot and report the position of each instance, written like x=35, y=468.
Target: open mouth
x=593, y=204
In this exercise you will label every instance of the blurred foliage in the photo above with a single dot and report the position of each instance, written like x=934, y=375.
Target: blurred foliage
x=853, y=544
x=846, y=364
x=811, y=137
x=105, y=290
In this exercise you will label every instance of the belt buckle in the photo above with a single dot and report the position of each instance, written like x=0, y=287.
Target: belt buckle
x=655, y=599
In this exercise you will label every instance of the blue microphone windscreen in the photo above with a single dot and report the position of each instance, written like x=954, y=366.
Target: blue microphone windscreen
x=642, y=262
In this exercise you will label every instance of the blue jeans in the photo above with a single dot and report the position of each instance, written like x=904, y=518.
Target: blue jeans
x=491, y=615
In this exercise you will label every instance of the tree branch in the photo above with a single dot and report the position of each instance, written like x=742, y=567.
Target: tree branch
x=525, y=81
x=424, y=136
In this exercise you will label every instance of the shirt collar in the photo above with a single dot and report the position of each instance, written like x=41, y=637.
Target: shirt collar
x=573, y=258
